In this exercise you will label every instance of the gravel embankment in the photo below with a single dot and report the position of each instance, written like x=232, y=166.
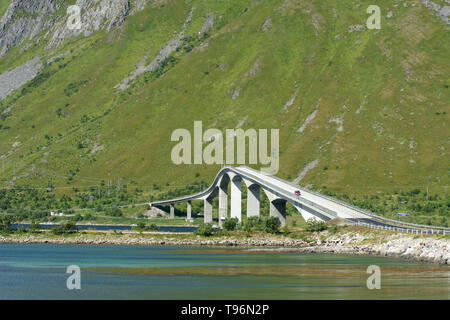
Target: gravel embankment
x=420, y=249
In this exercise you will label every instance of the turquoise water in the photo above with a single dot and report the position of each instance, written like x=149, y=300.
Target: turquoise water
x=150, y=272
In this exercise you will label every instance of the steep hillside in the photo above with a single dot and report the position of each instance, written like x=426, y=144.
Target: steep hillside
x=359, y=111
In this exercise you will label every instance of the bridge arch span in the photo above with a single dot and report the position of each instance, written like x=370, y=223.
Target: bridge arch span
x=311, y=205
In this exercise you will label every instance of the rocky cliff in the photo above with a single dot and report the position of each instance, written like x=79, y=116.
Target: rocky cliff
x=35, y=21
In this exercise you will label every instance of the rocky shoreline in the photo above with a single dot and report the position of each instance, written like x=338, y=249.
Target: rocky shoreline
x=398, y=246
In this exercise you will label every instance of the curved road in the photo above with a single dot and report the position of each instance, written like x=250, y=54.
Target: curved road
x=310, y=204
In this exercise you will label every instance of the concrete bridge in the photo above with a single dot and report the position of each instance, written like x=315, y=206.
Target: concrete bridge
x=311, y=205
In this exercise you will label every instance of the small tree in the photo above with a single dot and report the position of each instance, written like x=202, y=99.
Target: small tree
x=314, y=225
x=5, y=223
x=205, y=229
x=230, y=224
x=272, y=225
x=140, y=225
x=333, y=228
x=34, y=226
x=253, y=223
x=65, y=228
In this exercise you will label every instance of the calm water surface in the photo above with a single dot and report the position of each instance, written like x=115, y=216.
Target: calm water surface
x=37, y=271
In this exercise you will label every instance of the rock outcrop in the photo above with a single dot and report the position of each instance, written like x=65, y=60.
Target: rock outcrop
x=36, y=20
x=16, y=78
x=164, y=53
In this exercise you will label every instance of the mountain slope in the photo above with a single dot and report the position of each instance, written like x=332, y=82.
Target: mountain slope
x=364, y=110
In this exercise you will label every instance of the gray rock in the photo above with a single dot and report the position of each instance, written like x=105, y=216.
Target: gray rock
x=16, y=78
x=267, y=25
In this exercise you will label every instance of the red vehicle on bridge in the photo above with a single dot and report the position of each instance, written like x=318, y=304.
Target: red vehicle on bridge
x=298, y=193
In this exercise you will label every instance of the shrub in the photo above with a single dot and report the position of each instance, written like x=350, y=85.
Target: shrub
x=230, y=224
x=65, y=228
x=205, y=230
x=333, y=228
x=253, y=223
x=314, y=225
x=5, y=223
x=88, y=217
x=153, y=227
x=140, y=225
x=272, y=225
x=77, y=217
x=34, y=226
x=114, y=212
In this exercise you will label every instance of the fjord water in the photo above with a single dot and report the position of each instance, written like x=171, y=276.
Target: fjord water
x=36, y=271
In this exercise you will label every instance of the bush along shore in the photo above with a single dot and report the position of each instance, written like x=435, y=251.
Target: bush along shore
x=342, y=240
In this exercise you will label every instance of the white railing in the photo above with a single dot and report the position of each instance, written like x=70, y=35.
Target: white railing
x=402, y=229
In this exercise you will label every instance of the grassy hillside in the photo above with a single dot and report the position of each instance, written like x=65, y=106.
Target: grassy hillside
x=380, y=97
x=4, y=4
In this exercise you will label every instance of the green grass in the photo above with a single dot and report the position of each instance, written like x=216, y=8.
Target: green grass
x=4, y=4
x=299, y=52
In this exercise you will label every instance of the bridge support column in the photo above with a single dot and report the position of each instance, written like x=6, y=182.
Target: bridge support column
x=253, y=203
x=172, y=211
x=278, y=210
x=236, y=197
x=189, y=211
x=207, y=210
x=223, y=204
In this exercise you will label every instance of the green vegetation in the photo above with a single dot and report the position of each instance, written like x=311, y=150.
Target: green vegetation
x=140, y=226
x=313, y=225
x=34, y=226
x=4, y=4
x=424, y=208
x=65, y=228
x=380, y=131
x=230, y=224
x=205, y=230
x=5, y=223
x=333, y=228
x=272, y=225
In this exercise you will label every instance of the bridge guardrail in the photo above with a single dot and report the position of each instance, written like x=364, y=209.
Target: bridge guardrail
x=310, y=203
x=359, y=209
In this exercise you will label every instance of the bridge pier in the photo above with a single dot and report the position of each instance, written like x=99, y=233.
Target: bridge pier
x=207, y=210
x=223, y=204
x=172, y=211
x=253, y=201
x=236, y=197
x=278, y=210
x=310, y=205
x=189, y=211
